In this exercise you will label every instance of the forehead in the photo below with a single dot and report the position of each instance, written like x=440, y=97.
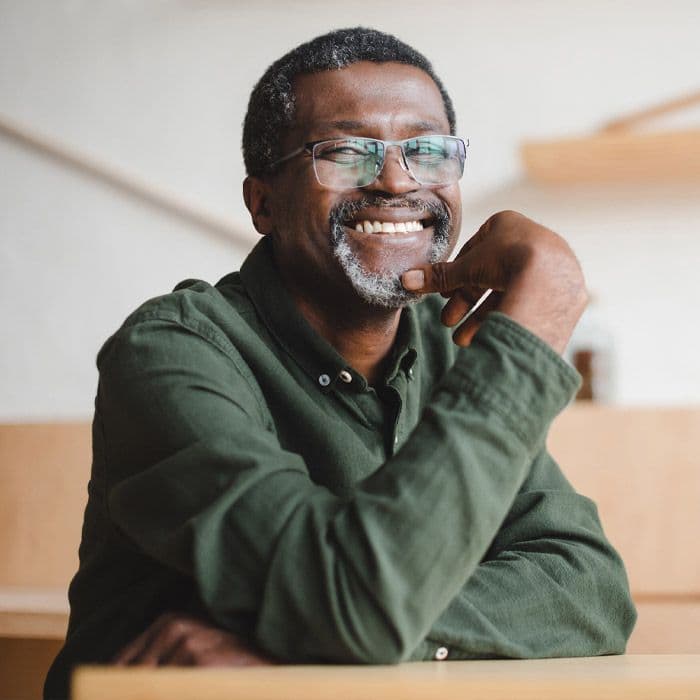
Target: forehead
x=384, y=100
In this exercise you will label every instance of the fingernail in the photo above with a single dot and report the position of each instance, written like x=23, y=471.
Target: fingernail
x=413, y=279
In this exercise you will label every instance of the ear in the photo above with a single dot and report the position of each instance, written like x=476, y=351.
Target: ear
x=256, y=194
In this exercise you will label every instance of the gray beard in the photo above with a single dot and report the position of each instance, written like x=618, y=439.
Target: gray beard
x=384, y=289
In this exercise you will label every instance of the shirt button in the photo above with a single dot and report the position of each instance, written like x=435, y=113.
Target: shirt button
x=324, y=380
x=441, y=653
x=345, y=376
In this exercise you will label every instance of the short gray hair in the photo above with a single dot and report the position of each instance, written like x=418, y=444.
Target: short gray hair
x=271, y=107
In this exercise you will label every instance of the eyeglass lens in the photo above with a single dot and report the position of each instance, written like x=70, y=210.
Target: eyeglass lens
x=356, y=162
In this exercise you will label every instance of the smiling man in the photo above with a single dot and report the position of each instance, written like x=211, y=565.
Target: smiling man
x=304, y=462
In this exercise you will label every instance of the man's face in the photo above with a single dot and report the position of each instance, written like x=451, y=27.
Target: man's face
x=317, y=243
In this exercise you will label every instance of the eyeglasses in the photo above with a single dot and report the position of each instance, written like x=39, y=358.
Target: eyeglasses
x=352, y=162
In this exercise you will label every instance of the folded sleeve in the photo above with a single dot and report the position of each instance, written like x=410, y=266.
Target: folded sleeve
x=198, y=481
x=550, y=585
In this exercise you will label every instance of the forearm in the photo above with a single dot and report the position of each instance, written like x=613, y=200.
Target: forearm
x=551, y=585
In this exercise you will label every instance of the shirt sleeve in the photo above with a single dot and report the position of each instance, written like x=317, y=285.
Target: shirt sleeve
x=198, y=481
x=550, y=585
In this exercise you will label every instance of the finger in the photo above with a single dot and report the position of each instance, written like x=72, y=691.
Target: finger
x=438, y=277
x=136, y=647
x=161, y=646
x=456, y=309
x=131, y=650
x=461, y=301
x=181, y=653
x=471, y=270
x=465, y=333
x=209, y=650
x=226, y=656
x=158, y=640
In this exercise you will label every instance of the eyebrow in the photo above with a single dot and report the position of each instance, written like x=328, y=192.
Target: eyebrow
x=354, y=125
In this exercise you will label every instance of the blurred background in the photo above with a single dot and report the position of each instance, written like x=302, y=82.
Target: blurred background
x=120, y=175
x=157, y=91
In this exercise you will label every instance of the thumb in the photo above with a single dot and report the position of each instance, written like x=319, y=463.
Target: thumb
x=438, y=277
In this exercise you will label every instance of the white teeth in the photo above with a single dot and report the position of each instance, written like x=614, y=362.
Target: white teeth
x=388, y=226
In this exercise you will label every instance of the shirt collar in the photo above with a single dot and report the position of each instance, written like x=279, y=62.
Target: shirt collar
x=308, y=349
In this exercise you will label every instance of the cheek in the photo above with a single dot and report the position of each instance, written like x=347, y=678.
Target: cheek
x=453, y=200
x=305, y=206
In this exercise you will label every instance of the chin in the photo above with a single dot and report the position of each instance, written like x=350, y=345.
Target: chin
x=378, y=288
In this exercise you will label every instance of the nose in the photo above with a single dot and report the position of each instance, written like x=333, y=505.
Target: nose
x=394, y=177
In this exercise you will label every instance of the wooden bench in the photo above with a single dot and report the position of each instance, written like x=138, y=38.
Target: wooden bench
x=43, y=471
x=642, y=467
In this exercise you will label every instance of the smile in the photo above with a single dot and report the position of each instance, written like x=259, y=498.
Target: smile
x=367, y=226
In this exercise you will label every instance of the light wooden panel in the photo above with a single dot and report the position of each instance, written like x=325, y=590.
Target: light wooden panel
x=666, y=627
x=615, y=157
x=33, y=613
x=642, y=467
x=44, y=470
x=610, y=677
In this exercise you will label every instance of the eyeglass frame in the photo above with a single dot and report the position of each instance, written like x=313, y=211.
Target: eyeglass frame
x=311, y=145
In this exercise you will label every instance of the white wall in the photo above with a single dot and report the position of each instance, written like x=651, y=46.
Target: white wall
x=159, y=89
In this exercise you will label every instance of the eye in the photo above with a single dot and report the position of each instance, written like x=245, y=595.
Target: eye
x=344, y=152
x=426, y=150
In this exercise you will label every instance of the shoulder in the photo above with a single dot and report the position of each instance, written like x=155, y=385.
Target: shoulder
x=205, y=310
x=187, y=337
x=195, y=303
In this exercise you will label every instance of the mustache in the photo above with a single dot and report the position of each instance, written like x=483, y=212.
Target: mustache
x=350, y=208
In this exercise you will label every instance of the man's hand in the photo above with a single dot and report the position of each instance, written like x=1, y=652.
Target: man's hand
x=536, y=279
x=180, y=640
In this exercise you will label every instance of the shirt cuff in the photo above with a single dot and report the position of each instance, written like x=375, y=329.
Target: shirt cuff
x=509, y=371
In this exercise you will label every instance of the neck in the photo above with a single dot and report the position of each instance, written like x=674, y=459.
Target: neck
x=364, y=338
x=360, y=333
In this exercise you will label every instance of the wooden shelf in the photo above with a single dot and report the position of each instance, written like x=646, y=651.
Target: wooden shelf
x=618, y=153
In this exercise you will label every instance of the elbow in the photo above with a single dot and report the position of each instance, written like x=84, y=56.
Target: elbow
x=622, y=616
x=619, y=607
x=380, y=639
x=611, y=611
x=352, y=630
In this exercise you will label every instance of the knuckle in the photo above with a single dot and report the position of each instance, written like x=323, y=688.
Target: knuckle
x=440, y=276
x=506, y=216
x=191, y=646
x=168, y=619
x=176, y=627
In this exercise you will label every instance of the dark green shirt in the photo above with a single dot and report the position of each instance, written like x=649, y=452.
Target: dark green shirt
x=243, y=471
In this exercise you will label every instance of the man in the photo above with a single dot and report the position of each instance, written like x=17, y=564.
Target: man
x=300, y=463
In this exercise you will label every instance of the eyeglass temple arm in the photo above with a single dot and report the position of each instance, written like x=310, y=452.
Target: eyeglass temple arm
x=291, y=155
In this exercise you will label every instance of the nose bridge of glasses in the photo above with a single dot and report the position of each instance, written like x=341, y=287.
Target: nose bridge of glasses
x=382, y=172
x=401, y=153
